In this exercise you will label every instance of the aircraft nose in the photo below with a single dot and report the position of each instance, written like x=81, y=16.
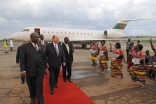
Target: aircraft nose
x=14, y=36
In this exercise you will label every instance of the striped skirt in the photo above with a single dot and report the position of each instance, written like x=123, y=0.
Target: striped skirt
x=94, y=57
x=116, y=68
x=138, y=73
x=103, y=62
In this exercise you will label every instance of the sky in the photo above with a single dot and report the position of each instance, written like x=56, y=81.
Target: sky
x=77, y=14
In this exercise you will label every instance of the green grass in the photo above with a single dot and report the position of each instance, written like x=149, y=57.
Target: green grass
x=13, y=41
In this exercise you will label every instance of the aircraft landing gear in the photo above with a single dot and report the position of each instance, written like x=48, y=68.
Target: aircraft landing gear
x=84, y=45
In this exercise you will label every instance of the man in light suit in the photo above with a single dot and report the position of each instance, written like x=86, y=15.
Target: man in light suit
x=33, y=65
x=55, y=56
x=68, y=51
x=44, y=43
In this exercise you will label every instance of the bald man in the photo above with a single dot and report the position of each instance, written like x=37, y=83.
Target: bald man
x=33, y=65
x=55, y=55
x=18, y=57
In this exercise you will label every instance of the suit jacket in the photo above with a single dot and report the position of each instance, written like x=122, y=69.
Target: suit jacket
x=31, y=61
x=128, y=47
x=53, y=60
x=18, y=54
x=69, y=57
x=45, y=43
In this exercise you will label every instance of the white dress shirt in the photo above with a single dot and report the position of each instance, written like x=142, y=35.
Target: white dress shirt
x=35, y=46
x=42, y=42
x=67, y=46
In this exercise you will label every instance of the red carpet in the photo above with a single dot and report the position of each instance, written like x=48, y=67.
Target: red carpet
x=66, y=93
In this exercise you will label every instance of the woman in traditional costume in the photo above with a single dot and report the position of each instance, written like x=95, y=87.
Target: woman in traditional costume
x=116, y=63
x=130, y=56
x=103, y=56
x=137, y=70
x=94, y=53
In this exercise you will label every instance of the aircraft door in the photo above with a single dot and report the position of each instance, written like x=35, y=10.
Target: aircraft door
x=37, y=30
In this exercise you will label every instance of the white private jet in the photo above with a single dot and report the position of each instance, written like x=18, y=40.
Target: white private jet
x=79, y=36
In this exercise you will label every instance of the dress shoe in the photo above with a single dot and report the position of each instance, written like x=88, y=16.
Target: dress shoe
x=33, y=101
x=69, y=80
x=56, y=86
x=40, y=103
x=51, y=92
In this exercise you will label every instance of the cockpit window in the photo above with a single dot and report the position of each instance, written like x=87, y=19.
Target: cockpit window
x=25, y=30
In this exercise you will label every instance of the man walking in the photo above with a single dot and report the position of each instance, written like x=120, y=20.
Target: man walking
x=18, y=58
x=55, y=55
x=44, y=43
x=68, y=51
x=33, y=65
x=128, y=47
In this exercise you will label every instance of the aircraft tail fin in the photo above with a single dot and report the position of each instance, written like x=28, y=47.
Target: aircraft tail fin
x=122, y=23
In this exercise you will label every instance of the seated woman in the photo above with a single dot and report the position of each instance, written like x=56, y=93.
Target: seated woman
x=147, y=57
x=116, y=63
x=149, y=63
x=103, y=54
x=94, y=53
x=137, y=70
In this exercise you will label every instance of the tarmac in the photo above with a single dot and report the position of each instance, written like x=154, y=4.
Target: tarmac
x=100, y=87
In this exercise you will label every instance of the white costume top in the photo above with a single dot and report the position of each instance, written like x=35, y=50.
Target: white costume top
x=11, y=43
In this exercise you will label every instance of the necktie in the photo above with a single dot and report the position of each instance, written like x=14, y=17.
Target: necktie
x=36, y=47
x=67, y=48
x=56, y=49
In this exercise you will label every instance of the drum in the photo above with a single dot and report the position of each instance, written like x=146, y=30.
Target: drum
x=149, y=67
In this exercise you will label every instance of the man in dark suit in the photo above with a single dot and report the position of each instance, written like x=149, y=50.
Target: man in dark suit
x=128, y=47
x=55, y=55
x=68, y=51
x=33, y=65
x=44, y=43
x=18, y=58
